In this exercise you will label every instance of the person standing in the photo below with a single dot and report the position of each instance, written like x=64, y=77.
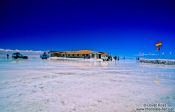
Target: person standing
x=118, y=58
x=115, y=58
x=7, y=56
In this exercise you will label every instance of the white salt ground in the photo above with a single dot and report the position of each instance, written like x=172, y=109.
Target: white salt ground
x=70, y=86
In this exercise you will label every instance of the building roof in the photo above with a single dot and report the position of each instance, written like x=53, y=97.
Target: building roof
x=103, y=53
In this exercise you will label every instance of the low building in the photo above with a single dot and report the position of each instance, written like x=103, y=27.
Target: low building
x=87, y=54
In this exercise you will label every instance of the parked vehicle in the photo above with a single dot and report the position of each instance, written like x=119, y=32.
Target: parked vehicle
x=44, y=56
x=18, y=55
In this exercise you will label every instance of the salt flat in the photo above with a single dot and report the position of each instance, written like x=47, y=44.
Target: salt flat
x=71, y=86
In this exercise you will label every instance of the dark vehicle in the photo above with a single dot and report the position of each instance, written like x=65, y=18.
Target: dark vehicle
x=109, y=58
x=18, y=55
x=44, y=56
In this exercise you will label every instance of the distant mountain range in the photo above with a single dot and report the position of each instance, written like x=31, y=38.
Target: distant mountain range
x=17, y=50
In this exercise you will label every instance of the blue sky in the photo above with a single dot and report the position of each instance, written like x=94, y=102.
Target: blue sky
x=120, y=27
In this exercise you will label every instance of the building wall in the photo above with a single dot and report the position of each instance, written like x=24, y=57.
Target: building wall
x=86, y=56
x=78, y=56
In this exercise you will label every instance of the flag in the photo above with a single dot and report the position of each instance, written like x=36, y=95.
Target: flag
x=158, y=44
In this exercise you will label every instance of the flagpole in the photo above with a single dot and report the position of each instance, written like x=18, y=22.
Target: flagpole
x=158, y=46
